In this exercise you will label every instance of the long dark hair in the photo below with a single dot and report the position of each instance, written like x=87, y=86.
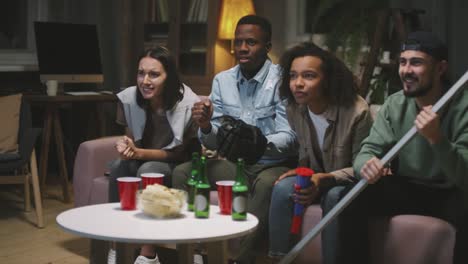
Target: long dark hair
x=173, y=87
x=339, y=85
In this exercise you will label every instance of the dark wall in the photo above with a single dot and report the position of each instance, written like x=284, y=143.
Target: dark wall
x=457, y=36
x=447, y=18
x=275, y=11
x=120, y=34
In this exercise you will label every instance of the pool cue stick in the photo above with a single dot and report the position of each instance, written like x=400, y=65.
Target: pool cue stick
x=359, y=187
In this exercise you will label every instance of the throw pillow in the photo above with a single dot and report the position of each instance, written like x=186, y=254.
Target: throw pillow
x=10, y=107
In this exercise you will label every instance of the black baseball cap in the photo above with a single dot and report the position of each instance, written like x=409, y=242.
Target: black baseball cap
x=426, y=42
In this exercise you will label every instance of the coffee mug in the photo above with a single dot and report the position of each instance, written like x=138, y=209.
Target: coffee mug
x=52, y=87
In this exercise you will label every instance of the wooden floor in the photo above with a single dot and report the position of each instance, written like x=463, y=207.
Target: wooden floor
x=22, y=242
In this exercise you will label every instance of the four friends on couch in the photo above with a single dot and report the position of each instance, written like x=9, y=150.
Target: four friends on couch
x=309, y=111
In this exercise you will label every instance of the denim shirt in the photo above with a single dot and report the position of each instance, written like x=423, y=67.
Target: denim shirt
x=256, y=102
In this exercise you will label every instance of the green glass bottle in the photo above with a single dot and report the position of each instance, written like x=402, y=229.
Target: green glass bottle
x=192, y=180
x=202, y=192
x=240, y=191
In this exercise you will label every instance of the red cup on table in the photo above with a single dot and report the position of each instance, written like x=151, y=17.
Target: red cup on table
x=225, y=196
x=151, y=178
x=128, y=187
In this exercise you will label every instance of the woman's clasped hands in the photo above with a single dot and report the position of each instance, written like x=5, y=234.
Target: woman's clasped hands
x=126, y=148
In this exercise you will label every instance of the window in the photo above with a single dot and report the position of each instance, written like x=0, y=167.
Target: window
x=13, y=19
x=17, y=33
x=296, y=25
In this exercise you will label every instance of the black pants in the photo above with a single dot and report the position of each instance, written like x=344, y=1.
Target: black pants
x=346, y=238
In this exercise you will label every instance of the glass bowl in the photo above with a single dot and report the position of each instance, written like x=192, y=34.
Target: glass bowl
x=161, y=202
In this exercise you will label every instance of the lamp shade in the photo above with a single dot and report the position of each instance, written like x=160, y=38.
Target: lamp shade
x=231, y=12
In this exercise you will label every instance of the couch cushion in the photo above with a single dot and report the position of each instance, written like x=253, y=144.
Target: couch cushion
x=312, y=252
x=411, y=239
x=402, y=239
x=100, y=189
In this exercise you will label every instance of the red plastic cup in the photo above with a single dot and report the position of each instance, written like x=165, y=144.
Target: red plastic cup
x=225, y=196
x=128, y=187
x=151, y=178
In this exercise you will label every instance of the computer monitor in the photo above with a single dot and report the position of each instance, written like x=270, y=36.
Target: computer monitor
x=68, y=52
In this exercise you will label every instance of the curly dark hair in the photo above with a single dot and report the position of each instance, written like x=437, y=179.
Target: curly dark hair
x=173, y=87
x=339, y=87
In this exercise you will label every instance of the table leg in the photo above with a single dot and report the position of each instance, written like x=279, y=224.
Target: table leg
x=217, y=252
x=98, y=251
x=61, y=157
x=46, y=134
x=185, y=253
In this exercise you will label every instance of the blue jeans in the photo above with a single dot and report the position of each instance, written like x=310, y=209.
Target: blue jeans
x=281, y=213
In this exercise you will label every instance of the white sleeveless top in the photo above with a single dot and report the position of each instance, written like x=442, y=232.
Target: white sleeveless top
x=178, y=117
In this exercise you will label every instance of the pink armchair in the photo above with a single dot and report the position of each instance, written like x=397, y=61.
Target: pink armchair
x=89, y=183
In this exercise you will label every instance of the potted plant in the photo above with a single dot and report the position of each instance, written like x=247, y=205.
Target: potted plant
x=347, y=24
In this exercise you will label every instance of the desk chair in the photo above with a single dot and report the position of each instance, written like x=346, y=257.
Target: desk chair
x=21, y=167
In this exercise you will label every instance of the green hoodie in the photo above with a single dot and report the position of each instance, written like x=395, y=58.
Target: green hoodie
x=442, y=165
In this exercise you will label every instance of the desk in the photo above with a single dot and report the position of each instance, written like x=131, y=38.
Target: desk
x=108, y=222
x=52, y=126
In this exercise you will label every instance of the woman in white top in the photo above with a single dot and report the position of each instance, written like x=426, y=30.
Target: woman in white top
x=330, y=120
x=156, y=115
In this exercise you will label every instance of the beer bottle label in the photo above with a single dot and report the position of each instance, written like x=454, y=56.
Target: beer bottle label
x=239, y=206
x=200, y=202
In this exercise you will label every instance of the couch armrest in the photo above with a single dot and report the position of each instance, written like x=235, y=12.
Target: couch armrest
x=91, y=162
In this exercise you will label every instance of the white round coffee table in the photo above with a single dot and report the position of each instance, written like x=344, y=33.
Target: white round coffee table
x=108, y=222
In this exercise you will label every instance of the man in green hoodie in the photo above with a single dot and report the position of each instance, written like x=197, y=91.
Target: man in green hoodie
x=429, y=175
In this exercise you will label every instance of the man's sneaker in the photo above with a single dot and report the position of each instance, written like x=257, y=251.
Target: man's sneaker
x=145, y=260
x=197, y=259
x=111, y=256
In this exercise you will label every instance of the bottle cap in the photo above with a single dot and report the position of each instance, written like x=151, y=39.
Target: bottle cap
x=303, y=171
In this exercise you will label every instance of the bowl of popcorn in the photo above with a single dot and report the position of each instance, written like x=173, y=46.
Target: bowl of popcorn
x=161, y=202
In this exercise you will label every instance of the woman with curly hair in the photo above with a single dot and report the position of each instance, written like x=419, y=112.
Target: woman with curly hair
x=330, y=120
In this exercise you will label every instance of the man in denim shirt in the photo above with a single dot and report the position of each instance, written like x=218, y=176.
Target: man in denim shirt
x=248, y=91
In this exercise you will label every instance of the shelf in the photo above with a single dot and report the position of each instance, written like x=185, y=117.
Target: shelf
x=191, y=43
x=157, y=11
x=192, y=63
x=194, y=24
x=193, y=53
